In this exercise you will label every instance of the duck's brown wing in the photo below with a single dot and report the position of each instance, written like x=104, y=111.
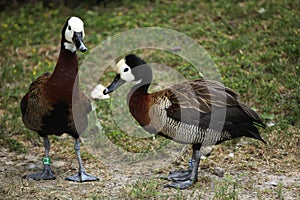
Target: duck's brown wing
x=34, y=104
x=205, y=103
x=234, y=106
x=33, y=90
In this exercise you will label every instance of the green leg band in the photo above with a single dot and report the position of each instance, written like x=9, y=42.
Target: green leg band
x=46, y=161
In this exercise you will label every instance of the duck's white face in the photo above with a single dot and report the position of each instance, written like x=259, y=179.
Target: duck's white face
x=74, y=25
x=125, y=71
x=131, y=68
x=74, y=34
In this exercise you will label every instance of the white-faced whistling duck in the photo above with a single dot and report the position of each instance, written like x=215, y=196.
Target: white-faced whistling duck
x=47, y=107
x=186, y=112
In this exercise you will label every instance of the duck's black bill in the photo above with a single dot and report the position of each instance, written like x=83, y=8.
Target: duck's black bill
x=78, y=40
x=117, y=82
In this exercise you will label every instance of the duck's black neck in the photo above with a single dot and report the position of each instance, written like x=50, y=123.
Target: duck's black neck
x=140, y=88
x=145, y=73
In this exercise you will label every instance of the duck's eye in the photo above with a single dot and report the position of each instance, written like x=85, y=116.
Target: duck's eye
x=69, y=27
x=126, y=69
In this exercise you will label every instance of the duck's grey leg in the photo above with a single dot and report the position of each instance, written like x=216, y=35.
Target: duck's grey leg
x=182, y=175
x=81, y=176
x=47, y=173
x=192, y=177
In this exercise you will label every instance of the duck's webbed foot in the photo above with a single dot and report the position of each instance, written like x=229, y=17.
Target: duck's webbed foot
x=180, y=175
x=183, y=179
x=46, y=174
x=82, y=176
x=181, y=184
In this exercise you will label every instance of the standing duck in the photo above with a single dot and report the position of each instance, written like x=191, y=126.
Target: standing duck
x=47, y=106
x=200, y=112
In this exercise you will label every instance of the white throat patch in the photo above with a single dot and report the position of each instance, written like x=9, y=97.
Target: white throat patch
x=125, y=71
x=70, y=46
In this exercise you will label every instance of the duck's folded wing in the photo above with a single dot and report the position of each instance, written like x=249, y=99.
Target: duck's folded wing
x=39, y=81
x=33, y=89
x=201, y=103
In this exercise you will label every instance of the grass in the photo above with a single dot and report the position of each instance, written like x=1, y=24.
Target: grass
x=227, y=188
x=256, y=51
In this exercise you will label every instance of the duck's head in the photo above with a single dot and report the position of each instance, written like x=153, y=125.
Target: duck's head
x=129, y=69
x=73, y=35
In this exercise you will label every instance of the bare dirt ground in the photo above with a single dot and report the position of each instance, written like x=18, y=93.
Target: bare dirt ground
x=252, y=180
